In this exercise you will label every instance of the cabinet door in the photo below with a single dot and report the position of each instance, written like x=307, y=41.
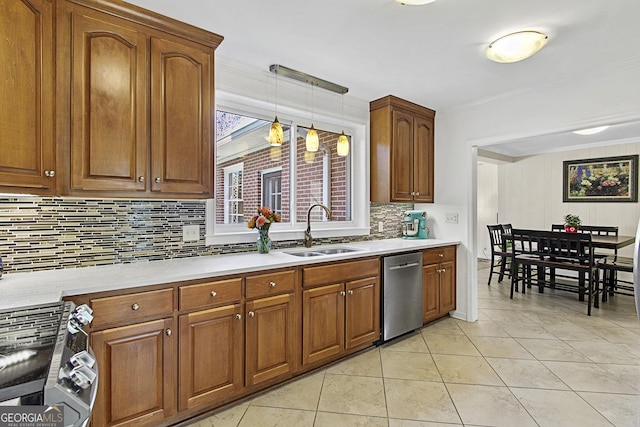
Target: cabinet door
x=27, y=88
x=108, y=104
x=211, y=356
x=402, y=159
x=270, y=338
x=181, y=117
x=430, y=292
x=362, y=321
x=136, y=374
x=447, y=287
x=423, y=159
x=323, y=323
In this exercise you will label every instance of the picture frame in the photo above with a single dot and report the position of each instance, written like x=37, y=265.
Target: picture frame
x=603, y=179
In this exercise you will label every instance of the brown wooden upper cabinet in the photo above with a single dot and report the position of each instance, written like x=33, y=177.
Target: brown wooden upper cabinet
x=402, y=139
x=27, y=159
x=137, y=102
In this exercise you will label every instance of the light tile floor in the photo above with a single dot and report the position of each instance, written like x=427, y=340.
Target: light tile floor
x=536, y=360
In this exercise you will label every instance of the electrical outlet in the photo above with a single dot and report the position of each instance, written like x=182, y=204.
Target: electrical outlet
x=190, y=233
x=380, y=226
x=451, y=218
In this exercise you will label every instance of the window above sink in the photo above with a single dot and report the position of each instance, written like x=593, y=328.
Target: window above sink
x=253, y=174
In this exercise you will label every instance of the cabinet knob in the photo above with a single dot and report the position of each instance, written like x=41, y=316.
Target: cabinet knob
x=168, y=332
x=417, y=193
x=441, y=255
x=350, y=292
x=50, y=174
x=214, y=293
x=252, y=314
x=157, y=180
x=443, y=270
x=135, y=307
x=413, y=193
x=272, y=284
x=238, y=316
x=141, y=179
x=342, y=293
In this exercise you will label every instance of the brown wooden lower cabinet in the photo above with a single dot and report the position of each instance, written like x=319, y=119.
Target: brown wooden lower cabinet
x=211, y=356
x=339, y=317
x=136, y=365
x=235, y=335
x=270, y=341
x=438, y=282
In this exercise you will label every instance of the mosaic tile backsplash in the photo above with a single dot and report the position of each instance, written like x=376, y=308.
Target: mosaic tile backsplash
x=38, y=233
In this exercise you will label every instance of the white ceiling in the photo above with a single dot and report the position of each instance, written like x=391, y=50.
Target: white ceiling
x=432, y=55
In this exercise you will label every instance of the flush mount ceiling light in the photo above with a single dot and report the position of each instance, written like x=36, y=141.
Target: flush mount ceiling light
x=414, y=2
x=590, y=131
x=515, y=47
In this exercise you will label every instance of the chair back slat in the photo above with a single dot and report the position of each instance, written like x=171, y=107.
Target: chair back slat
x=553, y=245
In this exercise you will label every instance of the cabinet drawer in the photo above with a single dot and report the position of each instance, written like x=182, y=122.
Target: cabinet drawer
x=337, y=273
x=210, y=293
x=125, y=308
x=270, y=284
x=436, y=255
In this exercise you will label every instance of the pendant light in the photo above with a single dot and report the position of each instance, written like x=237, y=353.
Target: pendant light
x=276, y=135
x=313, y=143
x=343, y=142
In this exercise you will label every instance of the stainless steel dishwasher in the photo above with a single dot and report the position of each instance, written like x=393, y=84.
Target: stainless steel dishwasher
x=401, y=294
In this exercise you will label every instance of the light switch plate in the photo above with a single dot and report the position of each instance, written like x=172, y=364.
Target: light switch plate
x=380, y=226
x=451, y=218
x=190, y=233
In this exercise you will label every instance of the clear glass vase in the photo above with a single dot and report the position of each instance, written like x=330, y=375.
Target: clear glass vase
x=264, y=242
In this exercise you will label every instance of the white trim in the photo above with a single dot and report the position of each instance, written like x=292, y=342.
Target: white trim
x=226, y=171
x=326, y=119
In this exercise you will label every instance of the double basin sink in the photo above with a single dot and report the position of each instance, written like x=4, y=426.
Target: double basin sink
x=320, y=252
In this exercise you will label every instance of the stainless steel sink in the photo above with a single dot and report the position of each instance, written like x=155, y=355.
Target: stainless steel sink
x=320, y=252
x=304, y=253
x=332, y=251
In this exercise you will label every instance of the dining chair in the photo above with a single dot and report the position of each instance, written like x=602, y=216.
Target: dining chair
x=499, y=256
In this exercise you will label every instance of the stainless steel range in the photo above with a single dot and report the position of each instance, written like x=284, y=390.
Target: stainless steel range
x=45, y=359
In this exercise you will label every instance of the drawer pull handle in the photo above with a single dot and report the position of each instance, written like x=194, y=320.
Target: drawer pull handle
x=252, y=314
x=214, y=293
x=135, y=307
x=350, y=292
x=168, y=332
x=272, y=284
x=238, y=316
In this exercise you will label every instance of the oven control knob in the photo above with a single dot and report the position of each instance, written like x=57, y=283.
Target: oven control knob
x=83, y=376
x=82, y=358
x=81, y=316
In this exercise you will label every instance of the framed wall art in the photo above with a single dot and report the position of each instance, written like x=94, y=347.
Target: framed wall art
x=605, y=179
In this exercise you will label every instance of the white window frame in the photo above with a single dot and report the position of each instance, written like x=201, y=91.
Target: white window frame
x=229, y=170
x=217, y=234
x=269, y=171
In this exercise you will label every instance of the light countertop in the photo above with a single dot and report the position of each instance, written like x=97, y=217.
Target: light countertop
x=23, y=289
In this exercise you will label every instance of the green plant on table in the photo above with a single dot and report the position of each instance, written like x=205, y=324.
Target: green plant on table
x=572, y=220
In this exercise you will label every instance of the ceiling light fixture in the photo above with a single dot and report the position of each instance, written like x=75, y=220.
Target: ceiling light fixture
x=515, y=47
x=313, y=143
x=590, y=131
x=414, y=2
x=276, y=134
x=343, y=142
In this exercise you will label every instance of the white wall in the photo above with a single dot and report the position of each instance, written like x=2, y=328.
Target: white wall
x=609, y=94
x=487, y=186
x=531, y=193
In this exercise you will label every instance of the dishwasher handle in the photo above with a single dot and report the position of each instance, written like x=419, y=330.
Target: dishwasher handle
x=406, y=265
